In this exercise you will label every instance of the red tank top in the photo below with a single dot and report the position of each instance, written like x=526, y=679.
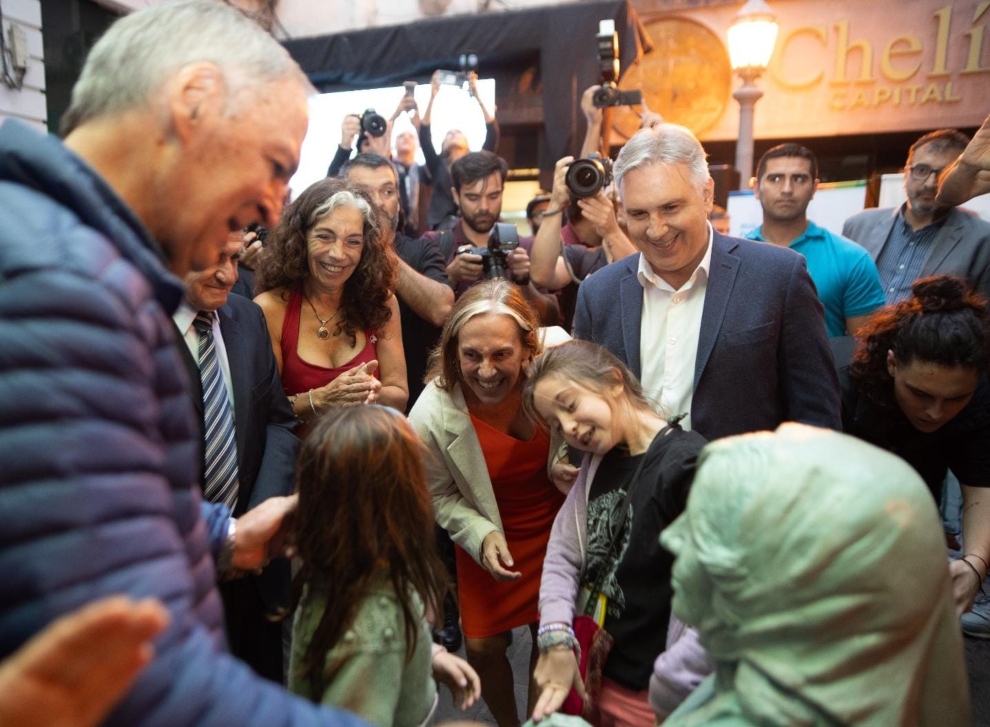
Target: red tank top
x=298, y=375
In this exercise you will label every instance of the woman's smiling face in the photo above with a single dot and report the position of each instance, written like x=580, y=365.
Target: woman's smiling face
x=491, y=356
x=334, y=245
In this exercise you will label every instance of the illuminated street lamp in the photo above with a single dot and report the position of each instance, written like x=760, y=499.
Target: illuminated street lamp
x=751, y=39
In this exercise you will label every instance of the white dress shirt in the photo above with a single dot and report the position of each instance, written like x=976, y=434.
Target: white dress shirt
x=670, y=327
x=184, y=317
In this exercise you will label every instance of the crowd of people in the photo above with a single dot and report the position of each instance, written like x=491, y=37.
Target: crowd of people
x=294, y=509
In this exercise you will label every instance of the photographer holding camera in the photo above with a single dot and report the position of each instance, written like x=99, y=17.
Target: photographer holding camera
x=563, y=255
x=472, y=251
x=453, y=148
x=593, y=115
x=373, y=135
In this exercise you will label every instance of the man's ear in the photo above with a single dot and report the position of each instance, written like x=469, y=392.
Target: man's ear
x=709, y=195
x=196, y=90
x=456, y=196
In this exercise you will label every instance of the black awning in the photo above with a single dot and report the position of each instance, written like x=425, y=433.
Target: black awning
x=558, y=42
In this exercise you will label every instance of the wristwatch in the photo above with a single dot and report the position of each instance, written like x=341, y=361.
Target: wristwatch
x=226, y=555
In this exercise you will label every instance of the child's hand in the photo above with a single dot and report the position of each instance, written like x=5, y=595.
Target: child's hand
x=563, y=475
x=459, y=676
x=555, y=675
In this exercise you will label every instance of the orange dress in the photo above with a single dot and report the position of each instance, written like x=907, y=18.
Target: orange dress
x=527, y=503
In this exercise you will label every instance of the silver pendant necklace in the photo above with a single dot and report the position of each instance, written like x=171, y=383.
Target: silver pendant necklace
x=323, y=333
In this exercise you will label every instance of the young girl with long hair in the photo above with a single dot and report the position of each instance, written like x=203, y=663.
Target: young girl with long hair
x=364, y=531
x=635, y=459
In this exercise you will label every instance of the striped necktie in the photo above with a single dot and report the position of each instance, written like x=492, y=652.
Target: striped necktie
x=220, y=447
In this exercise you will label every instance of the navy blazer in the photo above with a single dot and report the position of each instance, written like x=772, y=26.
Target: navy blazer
x=263, y=422
x=763, y=353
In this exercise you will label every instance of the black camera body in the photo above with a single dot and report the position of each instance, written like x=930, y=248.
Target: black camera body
x=502, y=240
x=466, y=62
x=259, y=231
x=608, y=94
x=586, y=176
x=373, y=124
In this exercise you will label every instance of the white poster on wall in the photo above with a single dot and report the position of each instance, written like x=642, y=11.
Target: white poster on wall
x=831, y=206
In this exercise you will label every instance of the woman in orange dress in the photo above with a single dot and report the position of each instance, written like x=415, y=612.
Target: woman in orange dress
x=489, y=476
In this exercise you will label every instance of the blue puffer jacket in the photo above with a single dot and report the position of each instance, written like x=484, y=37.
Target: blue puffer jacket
x=97, y=443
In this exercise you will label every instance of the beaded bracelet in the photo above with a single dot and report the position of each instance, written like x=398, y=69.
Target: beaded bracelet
x=310, y=394
x=554, y=626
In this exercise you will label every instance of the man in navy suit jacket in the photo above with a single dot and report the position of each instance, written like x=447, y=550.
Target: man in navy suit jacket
x=726, y=330
x=266, y=445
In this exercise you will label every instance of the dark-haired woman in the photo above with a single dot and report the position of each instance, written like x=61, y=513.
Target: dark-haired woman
x=327, y=275
x=917, y=386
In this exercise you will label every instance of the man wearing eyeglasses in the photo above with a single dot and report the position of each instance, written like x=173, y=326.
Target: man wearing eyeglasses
x=922, y=237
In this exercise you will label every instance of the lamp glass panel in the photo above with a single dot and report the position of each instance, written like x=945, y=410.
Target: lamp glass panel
x=751, y=42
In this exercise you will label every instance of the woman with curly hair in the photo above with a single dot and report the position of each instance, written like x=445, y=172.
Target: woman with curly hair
x=327, y=277
x=917, y=387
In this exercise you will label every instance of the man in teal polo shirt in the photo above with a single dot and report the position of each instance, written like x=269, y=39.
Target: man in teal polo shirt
x=846, y=278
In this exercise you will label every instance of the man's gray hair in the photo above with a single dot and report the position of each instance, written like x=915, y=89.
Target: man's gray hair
x=137, y=55
x=666, y=144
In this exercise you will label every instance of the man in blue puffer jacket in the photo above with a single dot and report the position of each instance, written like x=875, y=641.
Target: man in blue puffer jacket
x=185, y=124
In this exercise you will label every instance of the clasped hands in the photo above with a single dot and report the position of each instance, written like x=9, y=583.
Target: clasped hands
x=353, y=387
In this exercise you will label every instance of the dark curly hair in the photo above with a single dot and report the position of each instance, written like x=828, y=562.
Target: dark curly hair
x=284, y=259
x=365, y=513
x=943, y=322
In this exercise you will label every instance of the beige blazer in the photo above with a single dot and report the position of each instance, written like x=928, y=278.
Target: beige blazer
x=463, y=497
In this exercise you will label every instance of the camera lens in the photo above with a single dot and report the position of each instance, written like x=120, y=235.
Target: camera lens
x=604, y=97
x=373, y=123
x=585, y=177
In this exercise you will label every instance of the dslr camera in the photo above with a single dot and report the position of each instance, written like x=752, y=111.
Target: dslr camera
x=373, y=124
x=608, y=94
x=466, y=62
x=586, y=176
x=502, y=240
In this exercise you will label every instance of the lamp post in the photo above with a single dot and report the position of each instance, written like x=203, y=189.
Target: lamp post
x=751, y=38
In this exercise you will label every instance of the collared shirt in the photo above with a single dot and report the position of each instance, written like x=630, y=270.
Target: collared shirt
x=184, y=317
x=846, y=278
x=903, y=256
x=670, y=328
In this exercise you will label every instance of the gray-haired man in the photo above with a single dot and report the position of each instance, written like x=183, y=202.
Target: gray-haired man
x=727, y=330
x=185, y=125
